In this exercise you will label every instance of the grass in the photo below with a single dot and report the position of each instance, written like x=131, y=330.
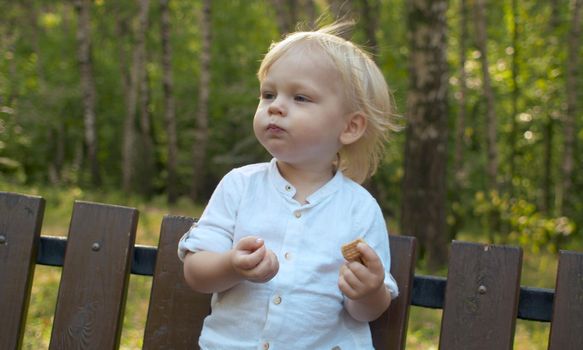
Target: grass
x=424, y=324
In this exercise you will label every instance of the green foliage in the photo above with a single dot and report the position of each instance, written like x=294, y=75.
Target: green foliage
x=520, y=223
x=42, y=129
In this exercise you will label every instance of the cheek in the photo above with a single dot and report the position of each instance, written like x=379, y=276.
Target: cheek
x=257, y=123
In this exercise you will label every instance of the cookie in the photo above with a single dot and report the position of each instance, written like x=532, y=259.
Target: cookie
x=350, y=252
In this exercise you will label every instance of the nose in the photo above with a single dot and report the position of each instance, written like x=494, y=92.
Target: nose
x=277, y=107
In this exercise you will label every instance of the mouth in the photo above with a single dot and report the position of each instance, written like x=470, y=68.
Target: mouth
x=274, y=128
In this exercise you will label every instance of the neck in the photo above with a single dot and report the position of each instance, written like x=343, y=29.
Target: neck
x=305, y=180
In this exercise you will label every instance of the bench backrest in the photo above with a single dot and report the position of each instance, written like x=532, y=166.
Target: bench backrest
x=481, y=297
x=480, y=308
x=567, y=324
x=176, y=312
x=94, y=281
x=20, y=225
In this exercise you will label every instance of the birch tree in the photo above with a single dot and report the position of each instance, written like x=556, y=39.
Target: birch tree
x=491, y=132
x=136, y=76
x=87, y=86
x=289, y=13
x=202, y=118
x=285, y=15
x=551, y=116
x=370, y=10
x=169, y=104
x=570, y=118
x=461, y=117
x=423, y=211
x=515, y=93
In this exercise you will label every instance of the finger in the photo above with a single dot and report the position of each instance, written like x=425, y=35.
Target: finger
x=248, y=261
x=345, y=287
x=269, y=267
x=273, y=259
x=362, y=279
x=265, y=270
x=349, y=275
x=250, y=243
x=370, y=257
x=357, y=268
x=358, y=271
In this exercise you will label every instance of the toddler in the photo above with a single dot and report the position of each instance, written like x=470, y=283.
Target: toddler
x=268, y=243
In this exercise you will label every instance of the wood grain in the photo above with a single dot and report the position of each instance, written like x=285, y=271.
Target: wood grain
x=20, y=222
x=95, y=277
x=176, y=312
x=481, y=297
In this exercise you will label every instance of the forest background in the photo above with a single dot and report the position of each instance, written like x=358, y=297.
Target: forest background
x=151, y=101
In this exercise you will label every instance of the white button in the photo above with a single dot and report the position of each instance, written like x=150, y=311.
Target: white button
x=287, y=256
x=265, y=346
x=277, y=300
x=288, y=188
x=298, y=214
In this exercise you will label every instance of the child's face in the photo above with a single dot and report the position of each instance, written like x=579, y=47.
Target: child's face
x=302, y=112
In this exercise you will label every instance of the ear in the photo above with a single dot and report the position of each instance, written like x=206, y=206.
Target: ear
x=355, y=127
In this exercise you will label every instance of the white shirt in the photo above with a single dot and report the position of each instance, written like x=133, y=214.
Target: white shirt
x=302, y=306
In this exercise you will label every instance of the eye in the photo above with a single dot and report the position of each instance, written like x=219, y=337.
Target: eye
x=267, y=95
x=302, y=98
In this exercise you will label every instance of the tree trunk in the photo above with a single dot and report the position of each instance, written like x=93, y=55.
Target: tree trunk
x=491, y=133
x=57, y=158
x=122, y=31
x=548, y=161
x=169, y=106
x=515, y=96
x=87, y=87
x=461, y=119
x=202, y=118
x=11, y=37
x=147, y=160
x=310, y=9
x=136, y=76
x=569, y=120
x=549, y=124
x=55, y=128
x=285, y=15
x=289, y=12
x=555, y=13
x=424, y=184
x=341, y=9
x=370, y=11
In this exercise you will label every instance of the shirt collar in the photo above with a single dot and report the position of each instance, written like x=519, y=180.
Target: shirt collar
x=289, y=191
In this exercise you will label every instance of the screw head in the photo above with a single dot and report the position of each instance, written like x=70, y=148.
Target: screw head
x=2, y=239
x=482, y=289
x=95, y=247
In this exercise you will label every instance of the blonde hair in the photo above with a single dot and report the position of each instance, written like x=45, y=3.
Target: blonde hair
x=365, y=88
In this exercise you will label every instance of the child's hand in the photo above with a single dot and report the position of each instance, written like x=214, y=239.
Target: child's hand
x=356, y=280
x=253, y=261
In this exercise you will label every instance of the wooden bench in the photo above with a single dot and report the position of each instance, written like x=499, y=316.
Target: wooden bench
x=481, y=297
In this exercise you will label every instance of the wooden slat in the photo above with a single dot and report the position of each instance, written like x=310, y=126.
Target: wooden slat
x=20, y=222
x=389, y=331
x=481, y=297
x=567, y=322
x=176, y=313
x=95, y=277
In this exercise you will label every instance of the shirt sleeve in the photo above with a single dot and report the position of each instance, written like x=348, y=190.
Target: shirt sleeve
x=214, y=231
x=377, y=237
